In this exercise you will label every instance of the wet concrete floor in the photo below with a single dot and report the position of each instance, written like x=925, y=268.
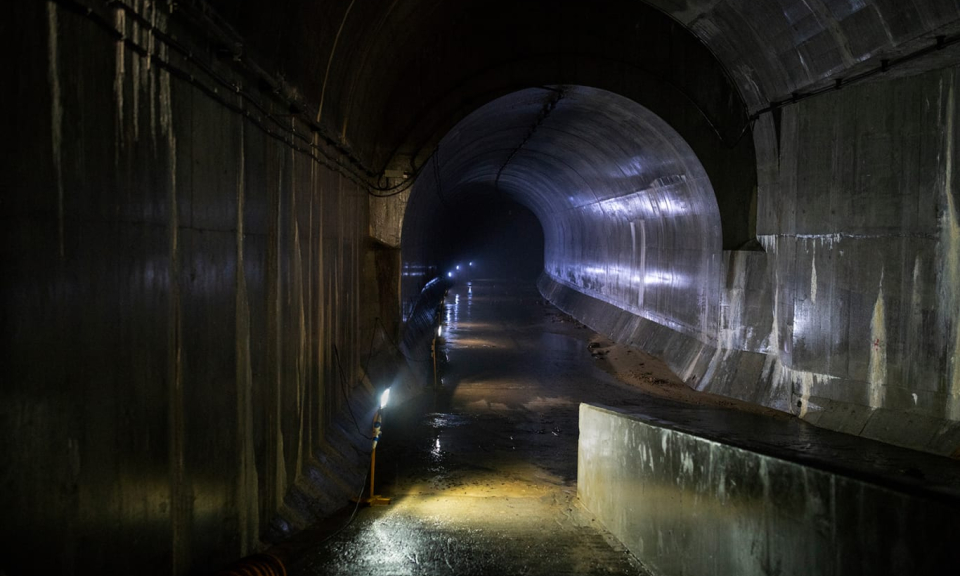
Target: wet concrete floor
x=483, y=473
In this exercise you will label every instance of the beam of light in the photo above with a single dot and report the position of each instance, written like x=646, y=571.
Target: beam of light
x=384, y=397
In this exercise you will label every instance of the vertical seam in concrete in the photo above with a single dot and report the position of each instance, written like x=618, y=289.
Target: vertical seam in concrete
x=120, y=22
x=56, y=113
x=333, y=51
x=247, y=485
x=321, y=301
x=279, y=459
x=950, y=251
x=312, y=350
x=178, y=512
x=297, y=300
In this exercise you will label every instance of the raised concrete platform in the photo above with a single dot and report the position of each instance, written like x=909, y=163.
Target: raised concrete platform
x=764, y=497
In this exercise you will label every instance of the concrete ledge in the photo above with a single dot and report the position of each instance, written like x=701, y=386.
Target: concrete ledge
x=739, y=374
x=685, y=504
x=758, y=378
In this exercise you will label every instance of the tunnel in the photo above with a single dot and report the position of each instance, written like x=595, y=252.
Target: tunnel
x=658, y=287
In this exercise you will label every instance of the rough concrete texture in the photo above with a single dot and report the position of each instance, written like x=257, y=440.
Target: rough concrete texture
x=802, y=44
x=174, y=284
x=685, y=503
x=862, y=241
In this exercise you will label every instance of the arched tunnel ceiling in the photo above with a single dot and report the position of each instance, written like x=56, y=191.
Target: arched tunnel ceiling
x=392, y=77
x=627, y=209
x=401, y=73
x=560, y=148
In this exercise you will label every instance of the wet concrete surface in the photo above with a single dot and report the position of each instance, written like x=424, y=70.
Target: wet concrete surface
x=483, y=472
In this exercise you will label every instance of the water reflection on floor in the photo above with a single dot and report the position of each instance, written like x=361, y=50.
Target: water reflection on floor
x=483, y=474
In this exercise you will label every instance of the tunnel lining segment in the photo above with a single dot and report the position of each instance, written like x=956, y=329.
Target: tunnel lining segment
x=652, y=477
x=595, y=170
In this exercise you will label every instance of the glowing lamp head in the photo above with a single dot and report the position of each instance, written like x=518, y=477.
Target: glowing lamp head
x=440, y=330
x=458, y=266
x=384, y=397
x=449, y=274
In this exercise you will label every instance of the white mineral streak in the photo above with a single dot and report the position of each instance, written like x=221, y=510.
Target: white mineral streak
x=166, y=127
x=783, y=375
x=151, y=75
x=772, y=344
x=799, y=382
x=731, y=321
x=166, y=115
x=813, y=276
x=135, y=84
x=280, y=484
x=247, y=481
x=877, y=376
x=949, y=278
x=120, y=23
x=686, y=463
x=56, y=113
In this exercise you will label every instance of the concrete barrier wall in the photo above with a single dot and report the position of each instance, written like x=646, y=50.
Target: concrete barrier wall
x=416, y=340
x=684, y=504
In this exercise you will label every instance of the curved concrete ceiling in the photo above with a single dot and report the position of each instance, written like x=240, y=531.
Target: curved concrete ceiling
x=628, y=212
x=402, y=74
x=405, y=73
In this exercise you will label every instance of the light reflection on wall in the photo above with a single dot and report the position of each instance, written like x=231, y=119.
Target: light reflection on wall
x=628, y=213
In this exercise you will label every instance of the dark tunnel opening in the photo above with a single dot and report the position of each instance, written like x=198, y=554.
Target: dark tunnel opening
x=490, y=237
x=628, y=212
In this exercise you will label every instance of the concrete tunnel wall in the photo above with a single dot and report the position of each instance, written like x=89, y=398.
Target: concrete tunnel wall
x=630, y=224
x=628, y=213
x=856, y=200
x=174, y=282
x=175, y=276
x=849, y=319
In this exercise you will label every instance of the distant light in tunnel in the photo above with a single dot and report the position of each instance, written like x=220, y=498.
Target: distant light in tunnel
x=449, y=274
x=458, y=266
x=471, y=264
